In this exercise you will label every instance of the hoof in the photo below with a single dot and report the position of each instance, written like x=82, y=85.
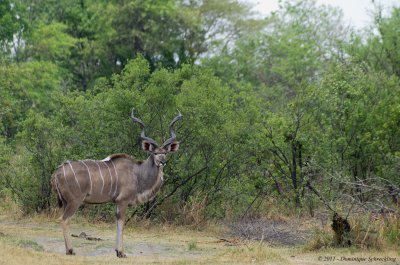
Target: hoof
x=120, y=254
x=70, y=252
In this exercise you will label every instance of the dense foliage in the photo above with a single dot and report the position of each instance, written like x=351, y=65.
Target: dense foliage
x=271, y=106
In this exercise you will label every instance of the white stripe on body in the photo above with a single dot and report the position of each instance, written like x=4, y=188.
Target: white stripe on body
x=116, y=182
x=109, y=171
x=90, y=177
x=58, y=191
x=64, y=174
x=75, y=175
x=101, y=175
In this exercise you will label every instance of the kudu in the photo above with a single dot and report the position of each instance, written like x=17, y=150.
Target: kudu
x=118, y=178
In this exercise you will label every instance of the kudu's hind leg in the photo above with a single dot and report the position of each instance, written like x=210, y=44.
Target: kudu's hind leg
x=121, y=207
x=68, y=212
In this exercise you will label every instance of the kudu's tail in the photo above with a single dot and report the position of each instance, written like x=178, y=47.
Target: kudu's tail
x=56, y=190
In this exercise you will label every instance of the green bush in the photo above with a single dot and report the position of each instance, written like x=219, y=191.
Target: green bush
x=213, y=135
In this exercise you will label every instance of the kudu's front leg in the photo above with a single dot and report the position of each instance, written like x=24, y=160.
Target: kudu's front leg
x=121, y=207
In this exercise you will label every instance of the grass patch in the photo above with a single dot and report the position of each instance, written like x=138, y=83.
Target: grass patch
x=192, y=246
x=366, y=233
x=391, y=230
x=26, y=243
x=321, y=239
x=256, y=253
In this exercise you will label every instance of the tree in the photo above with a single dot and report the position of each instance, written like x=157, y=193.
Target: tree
x=294, y=47
x=12, y=27
x=380, y=48
x=92, y=39
x=26, y=86
x=284, y=62
x=356, y=109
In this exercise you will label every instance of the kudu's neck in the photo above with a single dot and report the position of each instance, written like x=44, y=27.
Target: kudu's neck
x=150, y=169
x=150, y=180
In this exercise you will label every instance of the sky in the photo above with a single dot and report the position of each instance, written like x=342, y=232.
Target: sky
x=357, y=12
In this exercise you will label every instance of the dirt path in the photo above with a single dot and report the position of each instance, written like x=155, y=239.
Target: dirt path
x=99, y=240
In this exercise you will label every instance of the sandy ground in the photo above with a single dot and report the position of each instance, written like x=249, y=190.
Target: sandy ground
x=99, y=240
x=38, y=241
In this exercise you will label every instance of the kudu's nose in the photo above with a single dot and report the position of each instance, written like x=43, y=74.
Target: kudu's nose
x=162, y=160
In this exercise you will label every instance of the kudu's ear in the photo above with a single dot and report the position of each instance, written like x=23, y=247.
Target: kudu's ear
x=148, y=146
x=173, y=147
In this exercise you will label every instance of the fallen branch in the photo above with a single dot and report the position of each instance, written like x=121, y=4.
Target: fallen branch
x=83, y=235
x=311, y=188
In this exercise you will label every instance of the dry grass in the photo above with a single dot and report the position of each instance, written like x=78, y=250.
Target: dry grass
x=38, y=240
x=378, y=233
x=12, y=255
